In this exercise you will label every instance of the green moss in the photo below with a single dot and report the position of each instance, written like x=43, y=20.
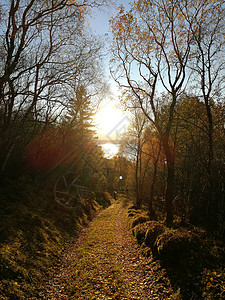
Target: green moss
x=194, y=261
x=33, y=230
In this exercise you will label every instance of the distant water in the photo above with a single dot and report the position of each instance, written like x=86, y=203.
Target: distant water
x=110, y=149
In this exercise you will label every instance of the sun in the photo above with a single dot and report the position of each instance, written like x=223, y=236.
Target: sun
x=107, y=119
x=110, y=122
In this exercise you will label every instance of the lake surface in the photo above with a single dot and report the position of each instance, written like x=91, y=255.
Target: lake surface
x=110, y=149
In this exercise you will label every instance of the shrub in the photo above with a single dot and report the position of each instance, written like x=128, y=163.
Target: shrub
x=179, y=247
x=139, y=232
x=103, y=198
x=133, y=211
x=153, y=231
x=139, y=220
x=134, y=207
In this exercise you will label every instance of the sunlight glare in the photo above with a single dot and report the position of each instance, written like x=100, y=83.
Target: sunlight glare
x=110, y=150
x=107, y=118
x=110, y=122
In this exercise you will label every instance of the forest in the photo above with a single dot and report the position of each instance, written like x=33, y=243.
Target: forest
x=167, y=58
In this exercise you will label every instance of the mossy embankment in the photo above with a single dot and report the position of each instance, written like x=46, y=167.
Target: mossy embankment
x=105, y=262
x=194, y=260
x=33, y=234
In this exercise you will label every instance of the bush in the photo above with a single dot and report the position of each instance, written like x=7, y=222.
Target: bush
x=180, y=247
x=139, y=232
x=139, y=220
x=134, y=207
x=103, y=198
x=194, y=261
x=153, y=231
x=147, y=232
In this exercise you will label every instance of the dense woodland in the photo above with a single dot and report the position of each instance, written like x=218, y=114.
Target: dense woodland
x=168, y=59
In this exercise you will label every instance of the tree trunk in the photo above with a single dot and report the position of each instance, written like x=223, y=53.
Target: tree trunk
x=6, y=159
x=151, y=198
x=137, y=183
x=210, y=204
x=150, y=208
x=169, y=192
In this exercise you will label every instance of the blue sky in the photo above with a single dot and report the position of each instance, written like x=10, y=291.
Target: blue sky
x=99, y=25
x=100, y=18
x=110, y=117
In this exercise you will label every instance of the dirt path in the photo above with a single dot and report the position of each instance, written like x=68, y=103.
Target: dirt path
x=106, y=263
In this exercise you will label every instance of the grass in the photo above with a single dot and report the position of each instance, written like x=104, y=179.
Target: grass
x=33, y=231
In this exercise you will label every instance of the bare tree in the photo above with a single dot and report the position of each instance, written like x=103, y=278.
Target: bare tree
x=132, y=145
x=151, y=46
x=46, y=56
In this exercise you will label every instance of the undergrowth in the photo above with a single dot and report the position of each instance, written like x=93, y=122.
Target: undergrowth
x=33, y=232
x=194, y=260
